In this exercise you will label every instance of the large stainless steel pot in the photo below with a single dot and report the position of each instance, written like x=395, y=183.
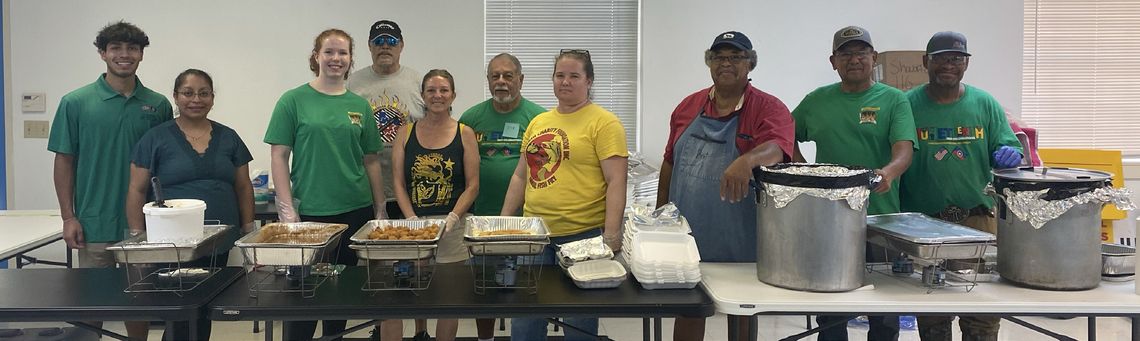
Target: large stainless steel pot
x=815, y=242
x=1064, y=253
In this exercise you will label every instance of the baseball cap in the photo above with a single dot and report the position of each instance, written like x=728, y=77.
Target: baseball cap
x=734, y=38
x=849, y=34
x=947, y=41
x=383, y=27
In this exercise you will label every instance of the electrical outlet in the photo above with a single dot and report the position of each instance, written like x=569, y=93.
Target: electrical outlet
x=36, y=129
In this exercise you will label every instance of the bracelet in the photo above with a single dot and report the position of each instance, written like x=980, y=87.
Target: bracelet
x=134, y=233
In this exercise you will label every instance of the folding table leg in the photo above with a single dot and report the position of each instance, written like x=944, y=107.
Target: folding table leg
x=645, y=333
x=1092, y=328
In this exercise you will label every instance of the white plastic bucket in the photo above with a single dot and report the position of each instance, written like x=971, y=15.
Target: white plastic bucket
x=182, y=221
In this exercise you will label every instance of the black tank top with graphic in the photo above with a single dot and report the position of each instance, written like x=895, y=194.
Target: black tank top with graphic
x=434, y=177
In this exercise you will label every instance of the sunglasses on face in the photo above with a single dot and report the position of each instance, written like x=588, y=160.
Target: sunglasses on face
x=385, y=39
x=951, y=59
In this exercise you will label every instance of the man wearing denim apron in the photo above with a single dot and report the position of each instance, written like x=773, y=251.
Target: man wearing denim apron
x=716, y=137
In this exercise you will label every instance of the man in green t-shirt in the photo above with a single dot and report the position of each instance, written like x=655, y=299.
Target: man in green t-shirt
x=962, y=135
x=94, y=130
x=499, y=124
x=859, y=122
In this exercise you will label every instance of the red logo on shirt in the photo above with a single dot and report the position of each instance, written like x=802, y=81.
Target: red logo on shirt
x=544, y=154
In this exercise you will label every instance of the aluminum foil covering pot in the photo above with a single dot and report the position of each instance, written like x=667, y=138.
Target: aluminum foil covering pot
x=811, y=226
x=1049, y=225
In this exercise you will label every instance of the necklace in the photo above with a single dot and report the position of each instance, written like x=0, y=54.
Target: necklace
x=204, y=133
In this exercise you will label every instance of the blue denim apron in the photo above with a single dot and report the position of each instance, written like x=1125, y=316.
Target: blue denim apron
x=725, y=232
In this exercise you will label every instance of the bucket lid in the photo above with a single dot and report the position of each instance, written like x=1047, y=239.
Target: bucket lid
x=177, y=206
x=1051, y=174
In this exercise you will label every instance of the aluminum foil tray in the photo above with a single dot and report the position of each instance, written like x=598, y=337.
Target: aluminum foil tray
x=394, y=251
x=257, y=252
x=1117, y=260
x=921, y=229
x=361, y=236
x=476, y=225
x=924, y=237
x=506, y=248
x=136, y=250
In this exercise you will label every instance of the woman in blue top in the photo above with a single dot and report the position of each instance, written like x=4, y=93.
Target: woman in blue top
x=196, y=158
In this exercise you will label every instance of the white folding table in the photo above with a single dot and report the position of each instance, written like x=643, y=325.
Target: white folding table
x=25, y=230
x=736, y=291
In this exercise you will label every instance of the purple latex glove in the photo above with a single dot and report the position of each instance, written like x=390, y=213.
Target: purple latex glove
x=1007, y=157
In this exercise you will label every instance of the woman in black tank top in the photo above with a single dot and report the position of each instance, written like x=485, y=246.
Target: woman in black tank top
x=435, y=173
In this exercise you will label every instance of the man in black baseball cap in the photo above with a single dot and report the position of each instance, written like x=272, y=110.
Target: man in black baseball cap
x=949, y=171
x=717, y=136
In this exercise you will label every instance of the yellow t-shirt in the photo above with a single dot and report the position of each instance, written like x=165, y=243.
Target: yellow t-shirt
x=564, y=182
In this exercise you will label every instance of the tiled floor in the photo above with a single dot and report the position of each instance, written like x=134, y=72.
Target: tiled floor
x=771, y=328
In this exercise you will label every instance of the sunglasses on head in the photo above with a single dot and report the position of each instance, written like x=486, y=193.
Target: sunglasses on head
x=579, y=52
x=385, y=39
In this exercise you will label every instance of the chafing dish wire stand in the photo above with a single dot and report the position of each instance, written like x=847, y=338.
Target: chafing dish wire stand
x=397, y=264
x=931, y=244
x=507, y=261
x=159, y=266
x=305, y=266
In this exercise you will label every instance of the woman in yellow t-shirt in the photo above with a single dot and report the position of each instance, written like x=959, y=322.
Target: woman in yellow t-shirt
x=572, y=175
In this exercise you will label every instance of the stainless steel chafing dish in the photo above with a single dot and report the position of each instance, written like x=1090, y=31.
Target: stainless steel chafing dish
x=924, y=237
x=384, y=249
x=136, y=250
x=530, y=243
x=259, y=252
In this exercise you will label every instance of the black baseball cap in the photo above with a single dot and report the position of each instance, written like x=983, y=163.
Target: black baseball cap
x=383, y=27
x=734, y=38
x=947, y=41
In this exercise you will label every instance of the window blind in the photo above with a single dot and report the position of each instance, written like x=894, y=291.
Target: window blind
x=1081, y=73
x=536, y=30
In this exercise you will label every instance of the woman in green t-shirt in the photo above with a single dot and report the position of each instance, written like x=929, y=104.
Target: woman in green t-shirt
x=332, y=138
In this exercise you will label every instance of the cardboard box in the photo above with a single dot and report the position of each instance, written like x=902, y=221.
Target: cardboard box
x=900, y=69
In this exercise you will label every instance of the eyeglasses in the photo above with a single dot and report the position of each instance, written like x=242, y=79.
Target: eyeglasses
x=847, y=55
x=200, y=94
x=585, y=53
x=507, y=76
x=385, y=39
x=952, y=59
x=734, y=59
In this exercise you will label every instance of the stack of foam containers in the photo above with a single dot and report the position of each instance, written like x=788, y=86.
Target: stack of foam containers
x=665, y=260
x=631, y=228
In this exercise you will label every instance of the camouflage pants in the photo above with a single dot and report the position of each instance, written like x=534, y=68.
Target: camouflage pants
x=974, y=328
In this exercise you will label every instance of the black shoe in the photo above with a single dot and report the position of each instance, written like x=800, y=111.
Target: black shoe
x=422, y=336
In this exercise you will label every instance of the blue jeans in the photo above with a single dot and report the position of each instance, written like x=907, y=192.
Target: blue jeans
x=534, y=329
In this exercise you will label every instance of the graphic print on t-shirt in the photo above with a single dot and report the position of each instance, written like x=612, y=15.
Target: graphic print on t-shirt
x=951, y=141
x=544, y=154
x=391, y=113
x=431, y=180
x=492, y=143
x=867, y=115
x=354, y=118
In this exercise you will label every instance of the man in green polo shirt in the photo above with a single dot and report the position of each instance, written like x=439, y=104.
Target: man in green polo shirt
x=859, y=122
x=499, y=124
x=94, y=130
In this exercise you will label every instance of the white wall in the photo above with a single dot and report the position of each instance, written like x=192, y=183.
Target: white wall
x=255, y=50
x=793, y=40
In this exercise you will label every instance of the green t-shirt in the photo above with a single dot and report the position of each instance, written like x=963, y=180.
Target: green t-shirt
x=329, y=136
x=99, y=127
x=956, y=142
x=499, y=136
x=857, y=129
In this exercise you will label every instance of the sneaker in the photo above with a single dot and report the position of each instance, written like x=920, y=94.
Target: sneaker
x=422, y=336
